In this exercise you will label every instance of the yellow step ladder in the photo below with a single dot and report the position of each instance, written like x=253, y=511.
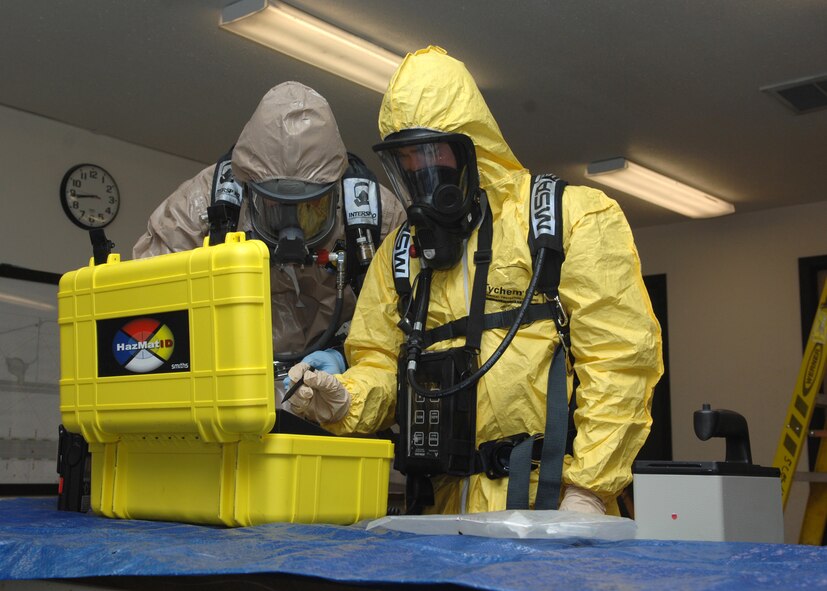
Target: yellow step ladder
x=797, y=428
x=815, y=515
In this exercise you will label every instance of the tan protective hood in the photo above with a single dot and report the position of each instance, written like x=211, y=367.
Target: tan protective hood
x=291, y=135
x=434, y=91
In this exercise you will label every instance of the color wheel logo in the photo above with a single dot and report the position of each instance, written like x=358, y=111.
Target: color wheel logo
x=143, y=345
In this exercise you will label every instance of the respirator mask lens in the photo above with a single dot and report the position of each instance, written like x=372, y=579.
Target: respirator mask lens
x=436, y=170
x=299, y=211
x=435, y=177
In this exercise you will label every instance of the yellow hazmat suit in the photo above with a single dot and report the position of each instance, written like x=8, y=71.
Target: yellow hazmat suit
x=615, y=337
x=292, y=134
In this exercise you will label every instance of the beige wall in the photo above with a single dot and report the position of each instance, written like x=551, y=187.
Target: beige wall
x=35, y=153
x=35, y=233
x=734, y=322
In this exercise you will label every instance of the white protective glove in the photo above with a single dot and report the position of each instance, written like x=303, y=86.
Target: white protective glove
x=321, y=398
x=581, y=500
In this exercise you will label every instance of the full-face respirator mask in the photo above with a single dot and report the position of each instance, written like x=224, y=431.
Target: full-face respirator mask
x=435, y=176
x=292, y=217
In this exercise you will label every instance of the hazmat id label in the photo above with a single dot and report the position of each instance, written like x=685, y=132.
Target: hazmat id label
x=154, y=343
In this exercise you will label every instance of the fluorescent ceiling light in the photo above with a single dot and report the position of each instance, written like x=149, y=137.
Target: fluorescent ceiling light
x=306, y=38
x=8, y=298
x=651, y=186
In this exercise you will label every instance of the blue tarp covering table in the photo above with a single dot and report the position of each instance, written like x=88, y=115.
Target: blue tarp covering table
x=39, y=542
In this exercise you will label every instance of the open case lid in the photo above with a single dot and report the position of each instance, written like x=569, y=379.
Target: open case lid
x=178, y=344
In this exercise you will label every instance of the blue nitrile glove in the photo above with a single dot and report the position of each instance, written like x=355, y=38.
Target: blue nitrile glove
x=329, y=360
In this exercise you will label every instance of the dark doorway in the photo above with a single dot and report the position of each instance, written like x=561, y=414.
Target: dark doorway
x=659, y=444
x=812, y=272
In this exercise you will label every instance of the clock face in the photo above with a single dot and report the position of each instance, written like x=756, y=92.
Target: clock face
x=89, y=196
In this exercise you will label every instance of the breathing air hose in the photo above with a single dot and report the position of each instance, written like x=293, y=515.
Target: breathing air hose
x=416, y=338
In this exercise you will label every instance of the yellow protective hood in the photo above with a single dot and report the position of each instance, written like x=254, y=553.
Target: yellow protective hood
x=432, y=90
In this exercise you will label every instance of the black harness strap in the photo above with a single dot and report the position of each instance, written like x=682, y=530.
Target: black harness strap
x=225, y=200
x=224, y=185
x=482, y=260
x=457, y=328
x=402, y=275
x=556, y=432
x=546, y=232
x=362, y=213
x=519, y=477
x=553, y=447
x=546, y=229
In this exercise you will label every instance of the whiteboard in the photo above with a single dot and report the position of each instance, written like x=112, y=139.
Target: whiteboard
x=29, y=376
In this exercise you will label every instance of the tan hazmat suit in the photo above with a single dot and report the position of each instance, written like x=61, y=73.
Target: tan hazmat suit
x=616, y=340
x=291, y=135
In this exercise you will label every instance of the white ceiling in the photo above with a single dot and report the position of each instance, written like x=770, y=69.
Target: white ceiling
x=671, y=84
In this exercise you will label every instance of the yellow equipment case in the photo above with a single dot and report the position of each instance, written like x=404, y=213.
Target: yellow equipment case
x=167, y=372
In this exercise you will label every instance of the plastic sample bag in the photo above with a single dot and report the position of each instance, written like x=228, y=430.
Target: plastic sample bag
x=513, y=524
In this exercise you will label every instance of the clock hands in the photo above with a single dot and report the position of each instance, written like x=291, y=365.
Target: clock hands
x=84, y=195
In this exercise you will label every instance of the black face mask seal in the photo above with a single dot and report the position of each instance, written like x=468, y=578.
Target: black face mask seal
x=435, y=176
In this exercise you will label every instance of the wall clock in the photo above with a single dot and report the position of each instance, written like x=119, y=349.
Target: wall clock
x=89, y=196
